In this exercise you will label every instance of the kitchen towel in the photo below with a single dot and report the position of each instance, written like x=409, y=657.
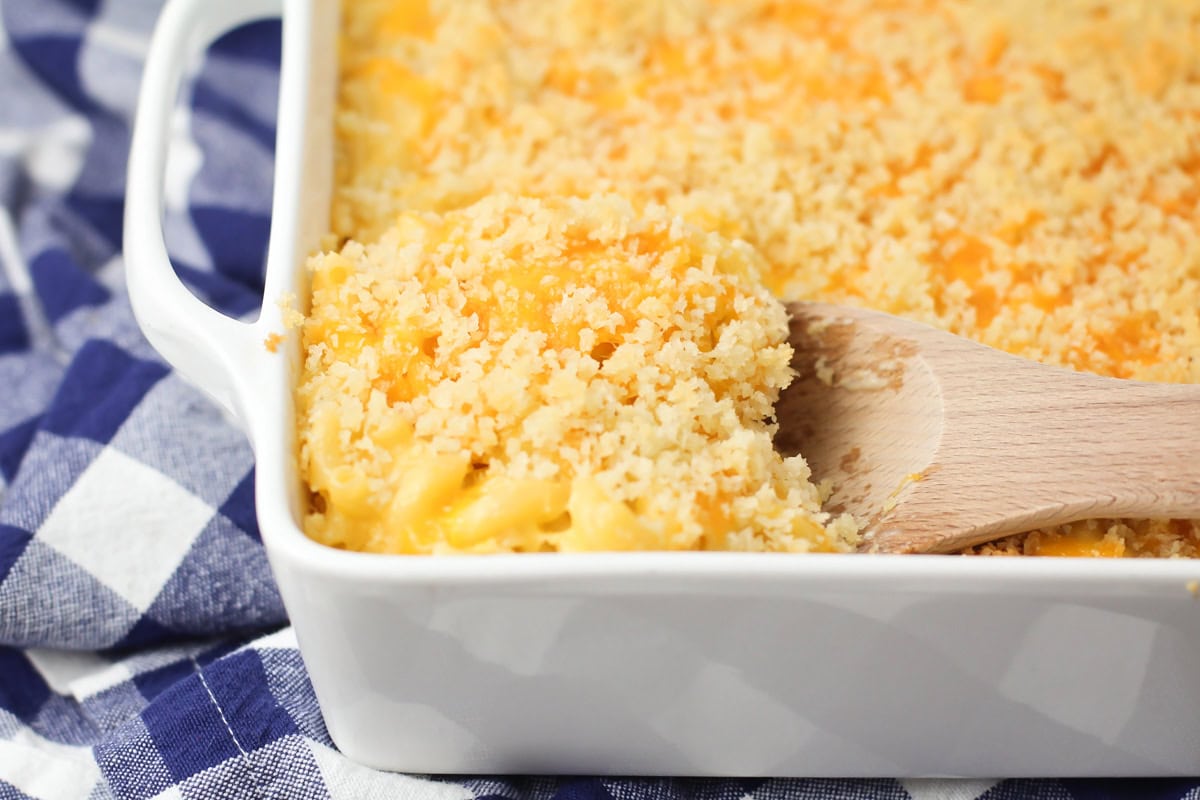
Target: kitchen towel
x=144, y=651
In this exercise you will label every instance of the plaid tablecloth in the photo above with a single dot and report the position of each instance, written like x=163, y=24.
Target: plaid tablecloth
x=144, y=651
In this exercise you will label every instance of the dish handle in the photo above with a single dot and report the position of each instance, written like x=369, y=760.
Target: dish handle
x=215, y=352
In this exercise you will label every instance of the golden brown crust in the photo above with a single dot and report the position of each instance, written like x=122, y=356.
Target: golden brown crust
x=1023, y=173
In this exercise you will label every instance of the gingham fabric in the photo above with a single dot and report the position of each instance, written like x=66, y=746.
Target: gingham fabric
x=143, y=647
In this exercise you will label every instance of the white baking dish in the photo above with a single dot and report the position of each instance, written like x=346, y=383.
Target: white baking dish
x=683, y=664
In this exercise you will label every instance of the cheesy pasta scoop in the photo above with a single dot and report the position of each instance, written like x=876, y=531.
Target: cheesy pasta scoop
x=530, y=375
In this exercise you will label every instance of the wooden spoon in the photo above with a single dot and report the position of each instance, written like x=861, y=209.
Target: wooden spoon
x=938, y=443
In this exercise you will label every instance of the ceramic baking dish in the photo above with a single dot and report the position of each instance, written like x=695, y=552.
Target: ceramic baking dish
x=672, y=663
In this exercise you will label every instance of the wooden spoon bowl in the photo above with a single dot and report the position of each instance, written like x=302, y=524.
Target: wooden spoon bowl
x=938, y=443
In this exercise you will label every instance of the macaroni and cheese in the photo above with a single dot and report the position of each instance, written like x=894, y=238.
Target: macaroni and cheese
x=1023, y=173
x=525, y=375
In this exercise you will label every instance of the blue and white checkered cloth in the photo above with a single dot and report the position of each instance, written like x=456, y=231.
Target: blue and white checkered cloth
x=144, y=651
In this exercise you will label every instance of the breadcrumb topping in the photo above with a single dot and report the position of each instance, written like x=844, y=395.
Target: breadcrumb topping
x=567, y=375
x=1023, y=173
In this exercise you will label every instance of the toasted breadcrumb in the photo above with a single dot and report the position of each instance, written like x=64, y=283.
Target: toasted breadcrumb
x=1023, y=173
x=292, y=317
x=272, y=342
x=609, y=373
x=1158, y=538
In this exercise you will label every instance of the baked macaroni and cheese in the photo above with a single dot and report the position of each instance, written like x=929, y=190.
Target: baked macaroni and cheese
x=561, y=374
x=1023, y=173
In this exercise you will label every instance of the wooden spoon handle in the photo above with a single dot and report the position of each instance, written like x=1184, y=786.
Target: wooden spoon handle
x=1027, y=446
x=1141, y=441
